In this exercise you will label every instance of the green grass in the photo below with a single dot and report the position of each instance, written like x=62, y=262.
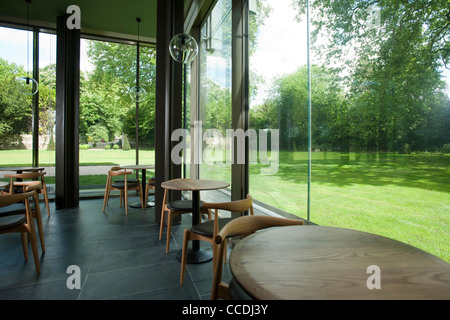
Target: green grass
x=404, y=197
x=87, y=157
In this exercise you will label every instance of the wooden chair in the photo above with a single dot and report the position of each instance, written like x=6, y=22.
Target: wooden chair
x=174, y=209
x=16, y=185
x=207, y=231
x=123, y=185
x=240, y=226
x=18, y=208
x=21, y=222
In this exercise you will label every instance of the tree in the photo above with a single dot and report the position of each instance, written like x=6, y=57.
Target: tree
x=290, y=102
x=392, y=51
x=106, y=99
x=15, y=107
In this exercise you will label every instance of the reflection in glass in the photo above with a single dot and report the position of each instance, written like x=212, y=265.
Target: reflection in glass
x=183, y=48
x=27, y=85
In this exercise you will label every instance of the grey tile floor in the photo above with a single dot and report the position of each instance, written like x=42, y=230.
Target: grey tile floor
x=120, y=257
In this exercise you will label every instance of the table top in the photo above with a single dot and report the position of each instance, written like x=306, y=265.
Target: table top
x=315, y=262
x=194, y=184
x=139, y=166
x=21, y=168
x=3, y=184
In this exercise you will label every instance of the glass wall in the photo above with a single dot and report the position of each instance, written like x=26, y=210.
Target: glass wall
x=215, y=94
x=16, y=110
x=380, y=117
x=16, y=124
x=47, y=107
x=112, y=128
x=278, y=104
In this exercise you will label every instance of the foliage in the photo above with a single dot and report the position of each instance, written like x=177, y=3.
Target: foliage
x=389, y=54
x=15, y=108
x=105, y=99
x=125, y=143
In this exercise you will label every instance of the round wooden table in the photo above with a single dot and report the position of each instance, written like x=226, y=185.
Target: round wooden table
x=316, y=262
x=144, y=168
x=195, y=255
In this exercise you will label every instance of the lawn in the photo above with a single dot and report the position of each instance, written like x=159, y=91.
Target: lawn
x=405, y=197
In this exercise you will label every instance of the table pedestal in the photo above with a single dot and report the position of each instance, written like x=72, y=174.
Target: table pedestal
x=196, y=255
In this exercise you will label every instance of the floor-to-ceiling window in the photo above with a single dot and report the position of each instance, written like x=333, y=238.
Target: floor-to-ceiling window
x=379, y=121
x=278, y=106
x=114, y=128
x=17, y=131
x=16, y=110
x=47, y=106
x=214, y=158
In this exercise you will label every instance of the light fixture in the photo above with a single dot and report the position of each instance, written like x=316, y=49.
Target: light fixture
x=183, y=48
x=137, y=93
x=27, y=85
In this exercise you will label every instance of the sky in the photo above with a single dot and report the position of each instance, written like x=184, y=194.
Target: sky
x=281, y=47
x=13, y=47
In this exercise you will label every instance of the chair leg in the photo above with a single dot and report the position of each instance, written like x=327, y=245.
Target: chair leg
x=147, y=187
x=125, y=195
x=163, y=213
x=25, y=245
x=169, y=230
x=184, y=254
x=46, y=201
x=39, y=221
x=106, y=197
x=32, y=237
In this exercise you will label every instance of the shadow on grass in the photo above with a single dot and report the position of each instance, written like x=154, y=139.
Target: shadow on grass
x=429, y=172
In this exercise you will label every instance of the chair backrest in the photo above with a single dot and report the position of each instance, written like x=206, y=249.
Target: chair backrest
x=26, y=175
x=6, y=200
x=116, y=173
x=232, y=206
x=243, y=225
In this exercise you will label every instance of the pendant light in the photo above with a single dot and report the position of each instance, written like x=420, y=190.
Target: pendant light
x=27, y=85
x=183, y=48
x=137, y=93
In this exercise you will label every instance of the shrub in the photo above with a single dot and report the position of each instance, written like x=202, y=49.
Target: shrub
x=125, y=143
x=51, y=144
x=116, y=147
x=107, y=147
x=84, y=146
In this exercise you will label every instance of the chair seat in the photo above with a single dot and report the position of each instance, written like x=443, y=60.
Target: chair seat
x=181, y=205
x=129, y=180
x=121, y=185
x=12, y=209
x=236, y=291
x=9, y=222
x=207, y=228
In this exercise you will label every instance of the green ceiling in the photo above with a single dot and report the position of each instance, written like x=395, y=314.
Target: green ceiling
x=112, y=18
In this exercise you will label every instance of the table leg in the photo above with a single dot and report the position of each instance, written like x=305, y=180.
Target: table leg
x=196, y=255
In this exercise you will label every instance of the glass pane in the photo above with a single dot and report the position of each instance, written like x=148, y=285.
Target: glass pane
x=380, y=121
x=47, y=104
x=108, y=114
x=215, y=93
x=278, y=101
x=15, y=108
